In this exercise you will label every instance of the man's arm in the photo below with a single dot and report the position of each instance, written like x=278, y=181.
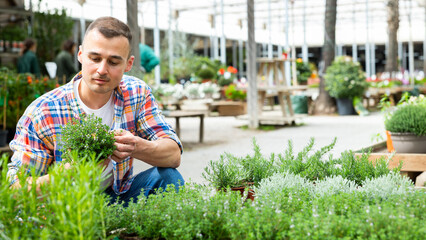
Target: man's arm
x=163, y=152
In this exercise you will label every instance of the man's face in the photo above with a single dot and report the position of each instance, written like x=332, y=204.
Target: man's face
x=104, y=61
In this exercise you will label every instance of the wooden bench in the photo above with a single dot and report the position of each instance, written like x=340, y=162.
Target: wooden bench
x=177, y=114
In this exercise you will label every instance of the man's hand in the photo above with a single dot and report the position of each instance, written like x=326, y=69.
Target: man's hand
x=126, y=144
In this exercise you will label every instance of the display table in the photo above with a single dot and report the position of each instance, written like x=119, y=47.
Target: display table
x=274, y=68
x=177, y=114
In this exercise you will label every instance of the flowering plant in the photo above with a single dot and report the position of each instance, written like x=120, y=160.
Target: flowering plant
x=88, y=136
x=345, y=79
x=303, y=71
x=226, y=77
x=18, y=90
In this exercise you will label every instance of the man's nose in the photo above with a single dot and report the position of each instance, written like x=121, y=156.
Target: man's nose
x=103, y=68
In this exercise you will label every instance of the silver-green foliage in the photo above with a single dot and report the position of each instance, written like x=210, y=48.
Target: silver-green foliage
x=279, y=182
x=333, y=185
x=387, y=185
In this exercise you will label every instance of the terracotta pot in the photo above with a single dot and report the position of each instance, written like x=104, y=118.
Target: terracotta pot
x=250, y=194
x=408, y=143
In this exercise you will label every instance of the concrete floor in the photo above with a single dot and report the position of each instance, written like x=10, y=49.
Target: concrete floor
x=225, y=134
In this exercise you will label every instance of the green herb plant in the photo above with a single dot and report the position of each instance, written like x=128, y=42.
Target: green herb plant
x=408, y=117
x=87, y=136
x=70, y=206
x=345, y=79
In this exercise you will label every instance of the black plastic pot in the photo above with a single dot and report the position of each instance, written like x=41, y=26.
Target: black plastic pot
x=345, y=106
x=3, y=138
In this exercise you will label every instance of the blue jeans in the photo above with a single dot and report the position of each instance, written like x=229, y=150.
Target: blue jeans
x=147, y=181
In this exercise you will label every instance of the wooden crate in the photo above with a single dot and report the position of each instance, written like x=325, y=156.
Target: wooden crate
x=413, y=164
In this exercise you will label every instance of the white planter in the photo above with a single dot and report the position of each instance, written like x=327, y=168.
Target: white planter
x=408, y=143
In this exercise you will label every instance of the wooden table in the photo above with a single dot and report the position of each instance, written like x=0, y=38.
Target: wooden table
x=275, y=68
x=177, y=114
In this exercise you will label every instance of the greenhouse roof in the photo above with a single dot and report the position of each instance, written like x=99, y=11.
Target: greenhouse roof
x=196, y=17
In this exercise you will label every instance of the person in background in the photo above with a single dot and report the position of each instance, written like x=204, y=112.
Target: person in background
x=148, y=58
x=28, y=62
x=64, y=61
x=124, y=103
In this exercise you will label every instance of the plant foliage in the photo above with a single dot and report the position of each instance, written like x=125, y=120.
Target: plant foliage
x=345, y=79
x=87, y=136
x=408, y=117
x=70, y=206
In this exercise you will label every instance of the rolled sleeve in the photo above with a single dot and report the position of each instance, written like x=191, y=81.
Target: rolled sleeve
x=29, y=151
x=151, y=124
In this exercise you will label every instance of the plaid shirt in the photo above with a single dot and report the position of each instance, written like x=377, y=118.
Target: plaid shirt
x=38, y=132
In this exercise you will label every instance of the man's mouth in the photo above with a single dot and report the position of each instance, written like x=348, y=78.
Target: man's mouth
x=100, y=80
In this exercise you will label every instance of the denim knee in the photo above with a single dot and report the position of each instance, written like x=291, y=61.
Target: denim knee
x=168, y=176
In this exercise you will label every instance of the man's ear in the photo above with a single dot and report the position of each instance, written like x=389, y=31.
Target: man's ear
x=129, y=63
x=80, y=52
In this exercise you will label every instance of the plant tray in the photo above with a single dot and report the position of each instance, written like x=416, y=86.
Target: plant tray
x=412, y=162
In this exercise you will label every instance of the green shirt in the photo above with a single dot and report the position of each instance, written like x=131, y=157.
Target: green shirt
x=65, y=66
x=28, y=63
x=148, y=58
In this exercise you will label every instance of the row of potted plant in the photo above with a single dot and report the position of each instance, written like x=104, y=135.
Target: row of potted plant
x=314, y=165
x=17, y=91
x=314, y=197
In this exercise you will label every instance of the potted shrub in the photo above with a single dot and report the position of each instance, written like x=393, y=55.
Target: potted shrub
x=87, y=136
x=407, y=126
x=206, y=74
x=345, y=80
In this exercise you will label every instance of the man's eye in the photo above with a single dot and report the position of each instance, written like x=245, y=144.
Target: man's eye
x=95, y=59
x=113, y=63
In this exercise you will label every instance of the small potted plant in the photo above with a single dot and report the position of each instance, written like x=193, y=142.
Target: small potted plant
x=407, y=126
x=206, y=74
x=344, y=80
x=226, y=76
x=235, y=104
x=303, y=71
x=228, y=173
x=86, y=137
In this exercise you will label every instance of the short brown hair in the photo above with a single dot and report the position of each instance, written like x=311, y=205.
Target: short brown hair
x=111, y=27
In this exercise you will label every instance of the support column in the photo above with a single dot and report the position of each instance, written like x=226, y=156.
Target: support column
x=251, y=68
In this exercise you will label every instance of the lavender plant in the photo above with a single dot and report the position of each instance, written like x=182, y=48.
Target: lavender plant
x=87, y=136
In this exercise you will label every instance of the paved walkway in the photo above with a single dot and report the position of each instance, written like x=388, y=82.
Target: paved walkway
x=225, y=134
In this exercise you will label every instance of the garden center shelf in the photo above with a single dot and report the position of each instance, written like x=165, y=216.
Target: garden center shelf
x=413, y=164
x=393, y=93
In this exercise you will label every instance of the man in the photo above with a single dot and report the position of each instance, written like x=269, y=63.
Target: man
x=124, y=103
x=148, y=58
